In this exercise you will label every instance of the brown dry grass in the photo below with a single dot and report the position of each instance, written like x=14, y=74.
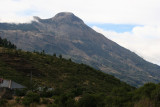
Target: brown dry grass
x=144, y=103
x=13, y=103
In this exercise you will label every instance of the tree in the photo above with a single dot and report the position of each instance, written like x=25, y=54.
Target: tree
x=7, y=44
x=60, y=56
x=91, y=100
x=54, y=54
x=31, y=98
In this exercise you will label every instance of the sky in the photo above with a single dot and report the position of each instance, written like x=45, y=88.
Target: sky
x=134, y=24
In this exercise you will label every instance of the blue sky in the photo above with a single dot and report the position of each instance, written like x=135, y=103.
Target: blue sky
x=119, y=28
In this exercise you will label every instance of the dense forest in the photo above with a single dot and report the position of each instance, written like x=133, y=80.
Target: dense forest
x=74, y=85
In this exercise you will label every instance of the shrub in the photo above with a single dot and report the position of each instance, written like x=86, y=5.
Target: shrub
x=26, y=101
x=20, y=92
x=47, y=94
x=45, y=101
x=52, y=105
x=3, y=102
x=18, y=99
x=31, y=98
x=91, y=100
x=7, y=95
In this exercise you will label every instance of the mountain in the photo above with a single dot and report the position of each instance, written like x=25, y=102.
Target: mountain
x=68, y=35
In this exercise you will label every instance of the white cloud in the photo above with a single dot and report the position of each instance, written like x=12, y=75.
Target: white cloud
x=100, y=11
x=144, y=41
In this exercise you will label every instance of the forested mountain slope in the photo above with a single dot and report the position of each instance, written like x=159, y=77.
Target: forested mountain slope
x=74, y=85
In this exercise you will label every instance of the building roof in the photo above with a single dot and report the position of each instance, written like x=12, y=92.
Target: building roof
x=10, y=84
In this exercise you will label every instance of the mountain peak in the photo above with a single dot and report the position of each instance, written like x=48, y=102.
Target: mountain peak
x=66, y=17
x=36, y=18
x=64, y=14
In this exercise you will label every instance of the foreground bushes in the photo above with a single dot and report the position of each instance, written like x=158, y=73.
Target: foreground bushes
x=31, y=98
x=145, y=96
x=3, y=102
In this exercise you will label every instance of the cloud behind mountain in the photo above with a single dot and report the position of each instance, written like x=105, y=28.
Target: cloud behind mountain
x=141, y=12
x=144, y=40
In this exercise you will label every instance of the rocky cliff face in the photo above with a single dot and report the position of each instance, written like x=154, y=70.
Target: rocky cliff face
x=68, y=35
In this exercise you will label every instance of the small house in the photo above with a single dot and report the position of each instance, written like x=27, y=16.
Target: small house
x=10, y=84
x=8, y=87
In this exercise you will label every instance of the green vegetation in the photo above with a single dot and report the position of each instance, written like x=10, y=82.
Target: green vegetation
x=3, y=102
x=31, y=98
x=63, y=75
x=74, y=85
x=6, y=44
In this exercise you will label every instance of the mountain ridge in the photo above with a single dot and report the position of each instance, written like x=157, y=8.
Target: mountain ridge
x=68, y=35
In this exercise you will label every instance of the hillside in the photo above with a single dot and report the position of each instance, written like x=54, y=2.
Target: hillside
x=68, y=79
x=51, y=71
x=68, y=35
x=75, y=85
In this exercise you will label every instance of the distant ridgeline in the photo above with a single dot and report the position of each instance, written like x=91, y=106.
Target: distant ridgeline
x=7, y=44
